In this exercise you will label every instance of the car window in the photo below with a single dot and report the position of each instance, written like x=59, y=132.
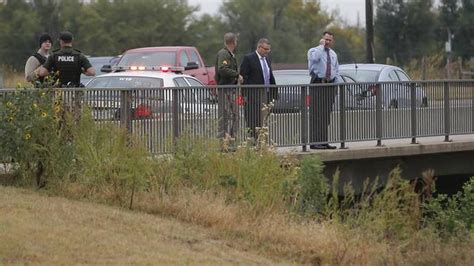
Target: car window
x=195, y=57
x=125, y=82
x=180, y=82
x=193, y=82
x=392, y=76
x=184, y=59
x=402, y=76
x=288, y=79
x=361, y=75
x=148, y=59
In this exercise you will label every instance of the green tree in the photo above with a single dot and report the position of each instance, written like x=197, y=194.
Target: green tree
x=18, y=33
x=464, y=36
x=405, y=29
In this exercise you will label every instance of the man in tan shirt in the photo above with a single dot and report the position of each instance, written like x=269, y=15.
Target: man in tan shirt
x=38, y=58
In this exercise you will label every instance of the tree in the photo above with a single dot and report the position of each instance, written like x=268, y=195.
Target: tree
x=464, y=36
x=405, y=29
x=18, y=33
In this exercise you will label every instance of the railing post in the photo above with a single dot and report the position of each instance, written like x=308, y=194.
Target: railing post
x=447, y=112
x=175, y=114
x=413, y=113
x=304, y=116
x=126, y=110
x=342, y=115
x=378, y=114
x=471, y=86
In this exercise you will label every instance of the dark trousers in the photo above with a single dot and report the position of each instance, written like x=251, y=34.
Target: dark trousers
x=322, y=99
x=254, y=98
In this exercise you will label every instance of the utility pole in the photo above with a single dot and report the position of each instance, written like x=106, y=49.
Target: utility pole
x=448, y=54
x=369, y=25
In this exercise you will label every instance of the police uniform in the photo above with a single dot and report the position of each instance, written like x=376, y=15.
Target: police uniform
x=68, y=62
x=227, y=72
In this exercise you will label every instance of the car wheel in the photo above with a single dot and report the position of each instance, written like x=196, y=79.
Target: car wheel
x=424, y=102
x=393, y=103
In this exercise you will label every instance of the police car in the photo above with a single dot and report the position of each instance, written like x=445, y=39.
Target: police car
x=150, y=91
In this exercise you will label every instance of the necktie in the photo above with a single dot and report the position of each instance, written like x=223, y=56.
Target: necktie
x=328, y=65
x=266, y=76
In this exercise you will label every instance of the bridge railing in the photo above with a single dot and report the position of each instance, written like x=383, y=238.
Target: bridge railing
x=295, y=115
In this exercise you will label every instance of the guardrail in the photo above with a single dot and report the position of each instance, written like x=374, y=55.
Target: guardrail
x=357, y=111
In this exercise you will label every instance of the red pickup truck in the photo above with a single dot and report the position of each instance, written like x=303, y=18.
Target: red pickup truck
x=182, y=56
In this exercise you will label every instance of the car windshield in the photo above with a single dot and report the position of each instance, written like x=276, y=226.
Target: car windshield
x=148, y=59
x=288, y=79
x=361, y=75
x=125, y=82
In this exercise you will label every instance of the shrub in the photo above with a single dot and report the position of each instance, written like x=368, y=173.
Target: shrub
x=312, y=187
x=34, y=137
x=451, y=215
x=110, y=161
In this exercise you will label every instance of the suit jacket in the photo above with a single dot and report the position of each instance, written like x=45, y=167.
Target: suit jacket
x=252, y=72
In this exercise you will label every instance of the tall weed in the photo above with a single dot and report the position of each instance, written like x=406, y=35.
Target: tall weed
x=110, y=161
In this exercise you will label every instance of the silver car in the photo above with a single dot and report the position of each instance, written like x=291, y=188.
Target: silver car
x=393, y=96
x=357, y=96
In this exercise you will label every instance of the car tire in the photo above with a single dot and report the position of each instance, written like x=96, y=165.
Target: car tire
x=424, y=102
x=393, y=104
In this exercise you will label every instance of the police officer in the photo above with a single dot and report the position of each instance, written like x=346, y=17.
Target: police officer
x=68, y=62
x=227, y=73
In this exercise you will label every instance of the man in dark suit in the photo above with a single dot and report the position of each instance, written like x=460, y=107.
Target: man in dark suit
x=256, y=69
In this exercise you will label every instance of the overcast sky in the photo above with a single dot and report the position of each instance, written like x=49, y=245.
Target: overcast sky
x=348, y=9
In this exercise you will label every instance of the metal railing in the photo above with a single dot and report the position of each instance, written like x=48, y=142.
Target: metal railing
x=301, y=114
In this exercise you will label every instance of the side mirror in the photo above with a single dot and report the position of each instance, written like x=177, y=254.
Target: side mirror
x=106, y=68
x=191, y=65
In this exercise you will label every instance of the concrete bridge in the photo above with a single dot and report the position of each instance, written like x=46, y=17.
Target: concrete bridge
x=362, y=160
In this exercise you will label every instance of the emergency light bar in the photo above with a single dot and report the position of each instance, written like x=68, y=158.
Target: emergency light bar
x=148, y=68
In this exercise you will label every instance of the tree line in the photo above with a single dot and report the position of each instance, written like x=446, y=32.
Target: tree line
x=404, y=29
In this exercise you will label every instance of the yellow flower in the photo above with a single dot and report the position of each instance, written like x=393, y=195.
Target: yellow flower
x=44, y=114
x=9, y=104
x=27, y=136
x=35, y=105
x=57, y=109
x=43, y=94
x=10, y=119
x=57, y=102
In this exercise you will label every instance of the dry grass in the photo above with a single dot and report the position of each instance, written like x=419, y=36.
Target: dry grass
x=37, y=229
x=307, y=242
x=51, y=230
x=12, y=78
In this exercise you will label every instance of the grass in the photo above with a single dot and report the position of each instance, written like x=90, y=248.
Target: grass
x=37, y=229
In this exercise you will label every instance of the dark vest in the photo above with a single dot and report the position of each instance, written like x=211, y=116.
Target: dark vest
x=69, y=67
x=41, y=58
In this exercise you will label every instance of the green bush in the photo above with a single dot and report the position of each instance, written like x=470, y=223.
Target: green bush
x=109, y=160
x=451, y=215
x=249, y=175
x=35, y=135
x=312, y=187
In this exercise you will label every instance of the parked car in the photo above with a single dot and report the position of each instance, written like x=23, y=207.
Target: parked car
x=358, y=96
x=290, y=96
x=97, y=62
x=180, y=56
x=149, y=96
x=393, y=96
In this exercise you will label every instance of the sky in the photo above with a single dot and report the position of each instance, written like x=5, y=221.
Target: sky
x=348, y=9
